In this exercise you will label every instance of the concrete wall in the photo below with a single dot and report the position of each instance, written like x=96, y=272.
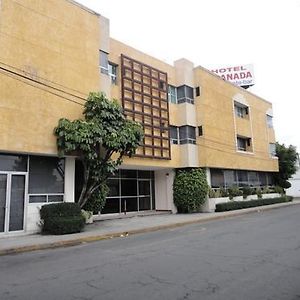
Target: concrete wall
x=294, y=190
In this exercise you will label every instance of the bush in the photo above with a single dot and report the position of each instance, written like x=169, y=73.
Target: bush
x=247, y=191
x=252, y=203
x=97, y=200
x=62, y=218
x=234, y=192
x=223, y=192
x=259, y=193
x=278, y=189
x=190, y=189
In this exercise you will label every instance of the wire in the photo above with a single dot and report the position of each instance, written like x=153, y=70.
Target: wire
x=44, y=89
x=41, y=83
x=42, y=78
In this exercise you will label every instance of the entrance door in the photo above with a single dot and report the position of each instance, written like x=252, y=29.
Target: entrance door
x=12, y=201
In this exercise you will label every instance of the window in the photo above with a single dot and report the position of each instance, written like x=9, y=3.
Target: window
x=270, y=121
x=187, y=135
x=240, y=110
x=217, y=178
x=185, y=94
x=104, y=62
x=197, y=90
x=174, y=134
x=242, y=143
x=172, y=95
x=272, y=149
x=46, y=179
x=13, y=162
x=112, y=72
x=200, y=130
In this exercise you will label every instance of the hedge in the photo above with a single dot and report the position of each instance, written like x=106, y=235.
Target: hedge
x=252, y=203
x=62, y=218
x=190, y=189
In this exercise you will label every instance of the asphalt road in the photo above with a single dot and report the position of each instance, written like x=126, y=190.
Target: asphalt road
x=254, y=256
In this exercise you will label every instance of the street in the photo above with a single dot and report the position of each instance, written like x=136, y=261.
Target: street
x=254, y=256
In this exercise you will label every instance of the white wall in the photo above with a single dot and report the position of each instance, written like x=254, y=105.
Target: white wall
x=294, y=190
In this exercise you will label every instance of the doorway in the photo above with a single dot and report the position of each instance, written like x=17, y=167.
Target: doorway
x=12, y=201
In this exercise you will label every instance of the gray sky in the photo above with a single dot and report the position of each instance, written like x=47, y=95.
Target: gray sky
x=218, y=33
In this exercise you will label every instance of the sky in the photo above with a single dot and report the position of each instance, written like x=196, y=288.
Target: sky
x=218, y=33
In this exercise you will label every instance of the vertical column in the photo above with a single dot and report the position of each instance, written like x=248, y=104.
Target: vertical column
x=70, y=179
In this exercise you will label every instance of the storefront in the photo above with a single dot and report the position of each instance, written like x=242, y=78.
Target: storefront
x=26, y=183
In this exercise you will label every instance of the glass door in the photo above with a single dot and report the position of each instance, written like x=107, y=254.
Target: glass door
x=12, y=201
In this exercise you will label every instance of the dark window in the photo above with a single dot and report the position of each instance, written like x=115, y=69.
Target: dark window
x=185, y=94
x=174, y=134
x=13, y=163
x=187, y=135
x=200, y=130
x=46, y=175
x=197, y=90
x=241, y=144
x=128, y=173
x=113, y=185
x=128, y=187
x=217, y=178
x=242, y=178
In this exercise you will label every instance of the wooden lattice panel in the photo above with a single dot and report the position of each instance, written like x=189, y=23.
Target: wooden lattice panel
x=145, y=100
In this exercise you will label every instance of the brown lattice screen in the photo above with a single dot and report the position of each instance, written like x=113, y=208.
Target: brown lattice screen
x=145, y=100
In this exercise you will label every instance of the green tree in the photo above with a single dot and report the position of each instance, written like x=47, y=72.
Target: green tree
x=190, y=189
x=287, y=158
x=100, y=140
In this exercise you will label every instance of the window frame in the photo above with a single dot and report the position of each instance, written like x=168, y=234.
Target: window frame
x=113, y=76
x=170, y=95
x=186, y=139
x=104, y=65
x=241, y=110
x=185, y=98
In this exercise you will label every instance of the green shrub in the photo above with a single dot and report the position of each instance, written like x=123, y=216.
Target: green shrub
x=252, y=203
x=278, y=189
x=259, y=193
x=190, y=189
x=266, y=190
x=223, y=192
x=247, y=191
x=61, y=218
x=97, y=200
x=211, y=193
x=234, y=192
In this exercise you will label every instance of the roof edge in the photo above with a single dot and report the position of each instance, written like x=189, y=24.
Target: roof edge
x=84, y=7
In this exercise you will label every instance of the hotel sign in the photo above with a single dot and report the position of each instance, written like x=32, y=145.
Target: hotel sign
x=238, y=75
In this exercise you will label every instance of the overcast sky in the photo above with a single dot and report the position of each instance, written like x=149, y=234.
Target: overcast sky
x=218, y=33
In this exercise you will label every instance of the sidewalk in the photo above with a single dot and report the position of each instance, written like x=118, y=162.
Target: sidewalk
x=119, y=228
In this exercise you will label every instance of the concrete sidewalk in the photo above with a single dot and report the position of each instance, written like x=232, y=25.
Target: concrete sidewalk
x=119, y=228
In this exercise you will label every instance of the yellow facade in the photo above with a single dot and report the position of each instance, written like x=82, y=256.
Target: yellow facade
x=50, y=62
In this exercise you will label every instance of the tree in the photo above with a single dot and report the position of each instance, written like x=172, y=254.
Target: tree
x=287, y=158
x=190, y=189
x=100, y=141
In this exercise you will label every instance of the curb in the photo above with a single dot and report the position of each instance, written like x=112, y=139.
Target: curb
x=95, y=238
